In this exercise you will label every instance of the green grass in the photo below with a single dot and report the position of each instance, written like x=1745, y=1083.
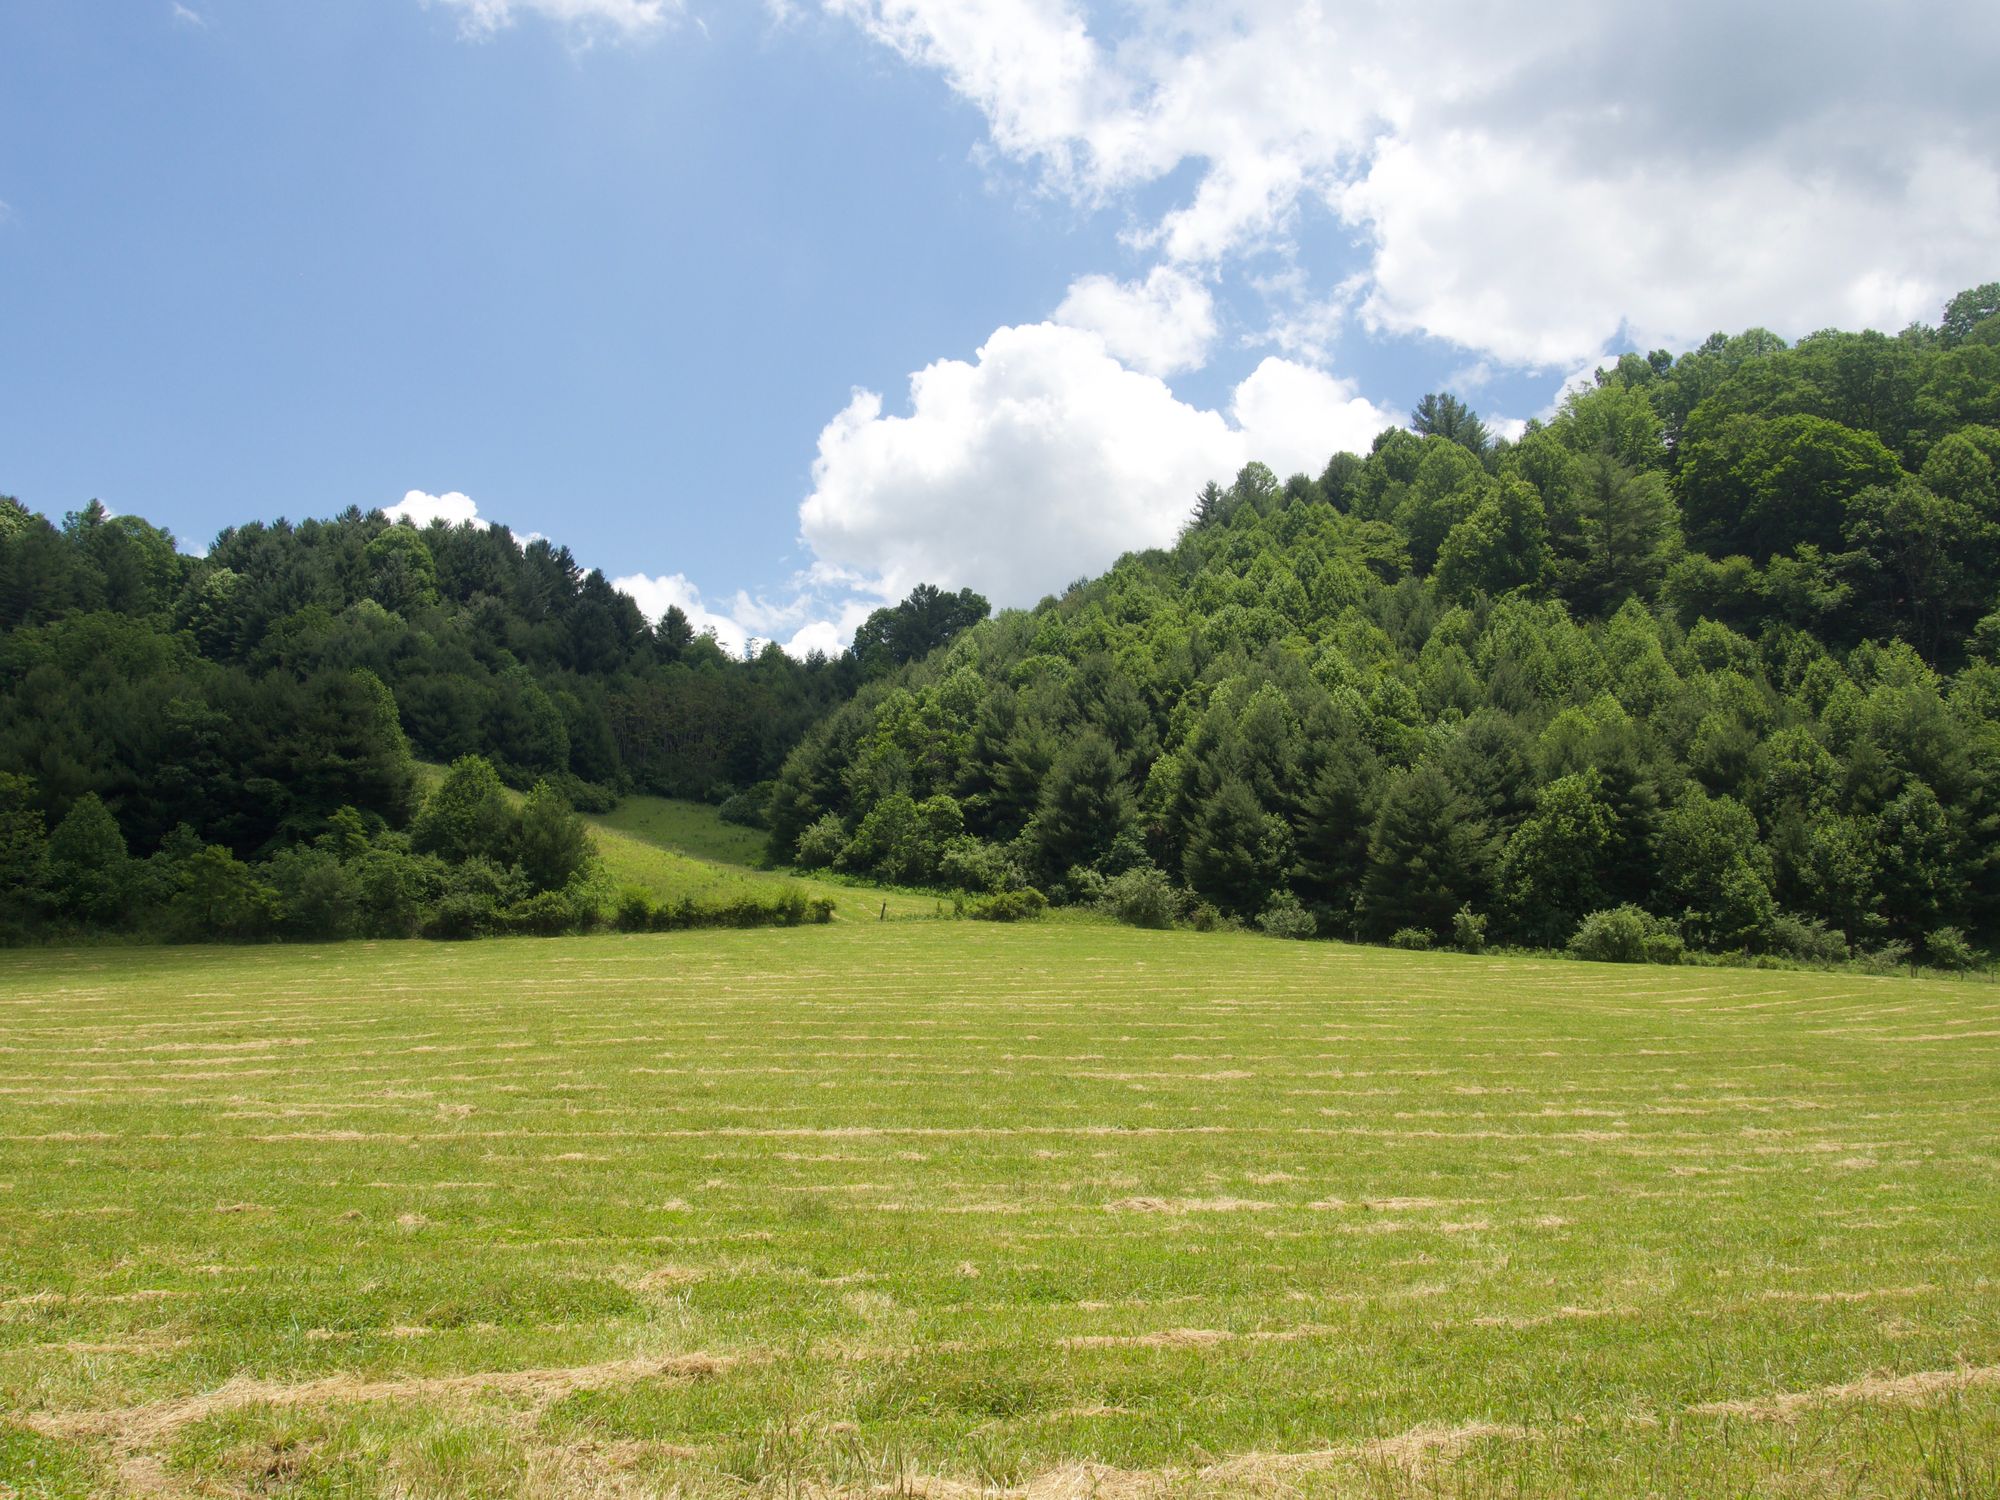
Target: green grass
x=691, y=828
x=684, y=849
x=928, y=1207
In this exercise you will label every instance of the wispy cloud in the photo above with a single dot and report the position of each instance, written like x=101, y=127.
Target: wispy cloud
x=183, y=16
x=482, y=18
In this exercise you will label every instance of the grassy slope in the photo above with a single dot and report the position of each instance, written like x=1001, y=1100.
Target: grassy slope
x=682, y=849
x=819, y=1209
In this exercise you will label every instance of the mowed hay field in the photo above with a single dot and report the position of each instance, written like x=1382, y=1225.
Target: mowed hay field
x=947, y=1209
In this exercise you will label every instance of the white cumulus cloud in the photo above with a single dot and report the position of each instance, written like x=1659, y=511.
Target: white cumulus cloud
x=420, y=509
x=655, y=595
x=1525, y=181
x=1045, y=458
x=813, y=619
x=1160, y=326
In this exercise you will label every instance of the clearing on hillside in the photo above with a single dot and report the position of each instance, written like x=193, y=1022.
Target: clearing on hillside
x=947, y=1209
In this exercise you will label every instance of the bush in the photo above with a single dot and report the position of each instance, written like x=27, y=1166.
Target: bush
x=1142, y=897
x=1082, y=886
x=313, y=894
x=1208, y=917
x=395, y=891
x=635, y=910
x=1415, y=939
x=462, y=914
x=1887, y=959
x=544, y=914
x=1625, y=935
x=585, y=796
x=1468, y=930
x=1283, y=917
x=1665, y=947
x=218, y=898
x=820, y=845
x=1023, y=905
x=638, y=910
x=1806, y=939
x=1947, y=948
x=972, y=864
x=750, y=808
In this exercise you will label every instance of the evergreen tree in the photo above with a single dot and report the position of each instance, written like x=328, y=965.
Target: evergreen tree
x=1237, y=854
x=89, y=869
x=1085, y=806
x=1427, y=856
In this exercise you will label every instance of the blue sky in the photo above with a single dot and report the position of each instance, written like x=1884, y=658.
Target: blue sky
x=616, y=270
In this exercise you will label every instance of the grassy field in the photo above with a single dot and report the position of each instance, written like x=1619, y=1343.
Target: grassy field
x=682, y=849
x=943, y=1208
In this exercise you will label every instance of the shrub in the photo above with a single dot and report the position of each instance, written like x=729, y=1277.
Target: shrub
x=1625, y=935
x=635, y=910
x=544, y=914
x=395, y=891
x=1665, y=947
x=1947, y=948
x=585, y=796
x=972, y=864
x=552, y=843
x=1283, y=917
x=1468, y=930
x=1415, y=939
x=1208, y=917
x=1023, y=905
x=462, y=914
x=1887, y=959
x=750, y=808
x=218, y=897
x=313, y=894
x=1142, y=897
x=821, y=843
x=1806, y=939
x=1082, y=886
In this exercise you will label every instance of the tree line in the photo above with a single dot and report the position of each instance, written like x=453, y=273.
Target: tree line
x=1710, y=659
x=228, y=745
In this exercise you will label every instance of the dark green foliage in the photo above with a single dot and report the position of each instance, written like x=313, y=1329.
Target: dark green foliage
x=553, y=845
x=23, y=851
x=1024, y=905
x=910, y=631
x=1444, y=415
x=1427, y=856
x=1085, y=806
x=1720, y=643
x=1283, y=917
x=1142, y=896
x=1237, y=854
x=1625, y=935
x=89, y=871
x=467, y=817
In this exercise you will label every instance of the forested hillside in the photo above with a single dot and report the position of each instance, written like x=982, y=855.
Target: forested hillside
x=217, y=746
x=1711, y=654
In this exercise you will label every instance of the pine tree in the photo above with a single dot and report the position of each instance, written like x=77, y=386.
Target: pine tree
x=1427, y=856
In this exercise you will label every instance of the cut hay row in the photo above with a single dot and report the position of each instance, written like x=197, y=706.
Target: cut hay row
x=1037, y=1212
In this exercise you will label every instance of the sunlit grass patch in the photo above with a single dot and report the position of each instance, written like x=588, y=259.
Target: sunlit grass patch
x=1066, y=1210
